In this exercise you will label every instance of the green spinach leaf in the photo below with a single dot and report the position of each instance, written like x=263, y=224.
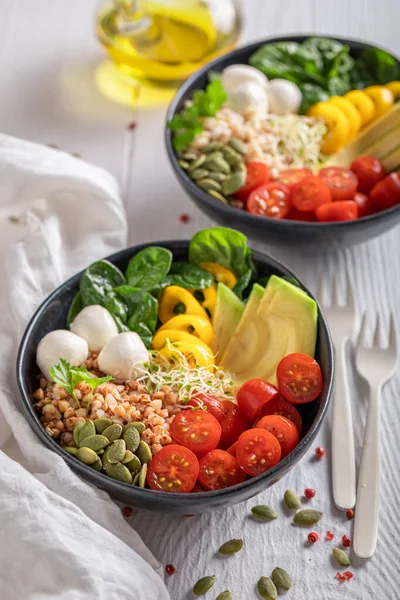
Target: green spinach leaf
x=375, y=66
x=75, y=308
x=142, y=311
x=188, y=276
x=116, y=306
x=242, y=283
x=149, y=267
x=311, y=95
x=143, y=331
x=99, y=279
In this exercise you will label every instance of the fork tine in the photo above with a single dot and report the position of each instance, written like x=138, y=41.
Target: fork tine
x=376, y=342
x=392, y=334
x=361, y=341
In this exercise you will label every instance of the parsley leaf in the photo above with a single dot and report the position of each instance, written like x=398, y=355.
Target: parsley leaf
x=68, y=377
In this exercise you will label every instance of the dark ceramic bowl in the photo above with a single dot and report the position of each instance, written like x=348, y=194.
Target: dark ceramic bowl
x=271, y=231
x=52, y=314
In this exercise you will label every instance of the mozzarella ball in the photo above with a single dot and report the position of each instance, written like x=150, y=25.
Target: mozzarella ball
x=249, y=98
x=123, y=356
x=95, y=325
x=235, y=75
x=57, y=344
x=284, y=97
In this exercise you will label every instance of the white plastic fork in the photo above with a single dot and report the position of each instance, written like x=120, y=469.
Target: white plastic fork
x=341, y=323
x=377, y=365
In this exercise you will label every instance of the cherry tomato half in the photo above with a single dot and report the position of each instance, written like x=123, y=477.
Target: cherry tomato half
x=233, y=423
x=299, y=378
x=232, y=449
x=173, y=469
x=292, y=176
x=282, y=407
x=257, y=174
x=386, y=193
x=310, y=193
x=270, y=200
x=301, y=215
x=257, y=451
x=197, y=430
x=252, y=396
x=364, y=203
x=213, y=404
x=341, y=182
x=369, y=171
x=342, y=210
x=218, y=470
x=283, y=429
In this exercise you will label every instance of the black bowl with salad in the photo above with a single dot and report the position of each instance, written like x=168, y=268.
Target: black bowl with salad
x=261, y=137
x=179, y=376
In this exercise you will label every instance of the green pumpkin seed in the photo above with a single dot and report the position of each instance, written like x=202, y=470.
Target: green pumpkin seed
x=136, y=479
x=200, y=160
x=85, y=431
x=189, y=156
x=281, y=579
x=264, y=512
x=199, y=174
x=76, y=431
x=217, y=164
x=119, y=471
x=212, y=147
x=142, y=476
x=87, y=456
x=209, y=184
x=307, y=517
x=105, y=460
x=240, y=167
x=71, y=450
x=292, y=500
x=102, y=424
x=224, y=596
x=98, y=465
x=128, y=457
x=219, y=177
x=134, y=464
x=203, y=585
x=144, y=453
x=341, y=557
x=231, y=157
x=132, y=439
x=215, y=156
x=184, y=164
x=231, y=547
x=113, y=432
x=137, y=425
x=116, y=452
x=95, y=442
x=233, y=183
x=267, y=589
x=238, y=145
x=218, y=196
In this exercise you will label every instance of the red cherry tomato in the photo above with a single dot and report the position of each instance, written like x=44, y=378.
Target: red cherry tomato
x=299, y=378
x=219, y=470
x=257, y=174
x=342, y=182
x=232, y=449
x=301, y=215
x=292, y=176
x=283, y=429
x=257, y=451
x=233, y=423
x=252, y=396
x=364, y=205
x=197, y=430
x=214, y=406
x=369, y=171
x=344, y=210
x=386, y=193
x=282, y=407
x=270, y=200
x=173, y=469
x=310, y=193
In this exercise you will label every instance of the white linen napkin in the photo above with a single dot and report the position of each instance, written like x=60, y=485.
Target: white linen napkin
x=59, y=536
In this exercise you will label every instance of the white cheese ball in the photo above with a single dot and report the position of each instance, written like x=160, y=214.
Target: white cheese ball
x=236, y=75
x=95, y=325
x=284, y=97
x=57, y=344
x=123, y=356
x=249, y=98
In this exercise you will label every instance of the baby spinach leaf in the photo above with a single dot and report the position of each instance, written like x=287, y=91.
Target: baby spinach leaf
x=142, y=310
x=375, y=66
x=242, y=283
x=144, y=332
x=116, y=306
x=149, y=267
x=98, y=280
x=311, y=95
x=188, y=276
x=75, y=308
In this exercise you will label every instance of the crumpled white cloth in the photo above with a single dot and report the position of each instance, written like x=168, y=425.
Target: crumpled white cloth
x=59, y=536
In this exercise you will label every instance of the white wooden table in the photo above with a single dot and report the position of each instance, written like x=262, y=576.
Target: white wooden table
x=48, y=53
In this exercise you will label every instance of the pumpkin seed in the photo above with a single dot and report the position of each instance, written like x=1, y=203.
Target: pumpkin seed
x=136, y=479
x=87, y=429
x=217, y=164
x=101, y=424
x=203, y=585
x=189, y=156
x=267, y=589
x=218, y=196
x=199, y=174
x=233, y=183
x=231, y=547
x=307, y=517
x=142, y=476
x=220, y=177
x=128, y=457
x=113, y=432
x=98, y=465
x=134, y=464
x=200, y=160
x=119, y=471
x=215, y=155
x=86, y=455
x=224, y=596
x=137, y=425
x=116, y=452
x=71, y=450
x=132, y=439
x=292, y=500
x=231, y=157
x=76, y=431
x=212, y=147
x=264, y=512
x=281, y=579
x=240, y=167
x=95, y=442
x=209, y=184
x=184, y=164
x=237, y=145
x=144, y=453
x=341, y=557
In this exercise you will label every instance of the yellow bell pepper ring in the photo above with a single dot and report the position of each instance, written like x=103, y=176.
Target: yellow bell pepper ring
x=207, y=298
x=363, y=103
x=173, y=335
x=198, y=327
x=394, y=87
x=351, y=113
x=338, y=127
x=176, y=300
x=196, y=356
x=382, y=97
x=221, y=274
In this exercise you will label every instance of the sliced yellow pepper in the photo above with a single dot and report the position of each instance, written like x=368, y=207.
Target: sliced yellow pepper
x=394, y=87
x=363, y=103
x=176, y=300
x=221, y=274
x=382, y=97
x=173, y=335
x=338, y=127
x=198, y=327
x=207, y=298
x=351, y=113
x=196, y=355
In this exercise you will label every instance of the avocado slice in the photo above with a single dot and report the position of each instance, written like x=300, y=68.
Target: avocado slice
x=283, y=321
x=228, y=312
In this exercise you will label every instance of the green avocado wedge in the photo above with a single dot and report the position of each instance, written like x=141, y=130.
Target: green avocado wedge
x=228, y=312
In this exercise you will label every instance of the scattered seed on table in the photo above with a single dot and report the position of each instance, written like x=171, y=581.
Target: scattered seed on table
x=346, y=541
x=329, y=536
x=347, y=575
x=13, y=219
x=313, y=537
x=231, y=547
x=341, y=557
x=224, y=596
x=170, y=570
x=281, y=579
x=292, y=500
x=184, y=218
x=349, y=513
x=132, y=125
x=309, y=493
x=264, y=512
x=267, y=589
x=127, y=511
x=307, y=517
x=203, y=585
x=319, y=452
